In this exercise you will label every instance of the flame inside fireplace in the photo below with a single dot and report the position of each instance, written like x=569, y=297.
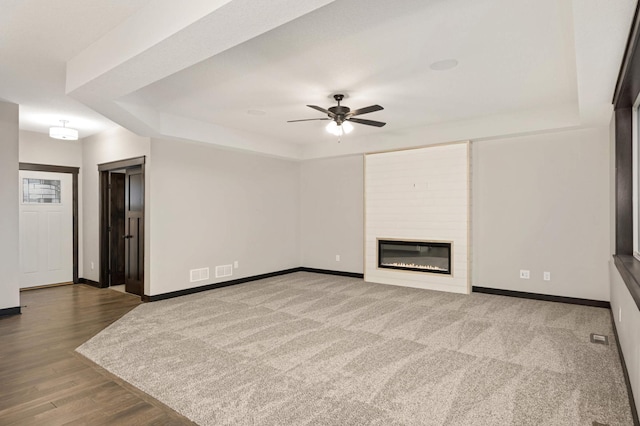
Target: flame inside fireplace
x=414, y=266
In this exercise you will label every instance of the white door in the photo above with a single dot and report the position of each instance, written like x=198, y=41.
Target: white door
x=46, y=228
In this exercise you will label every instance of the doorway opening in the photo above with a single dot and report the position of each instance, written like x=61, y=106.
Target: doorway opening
x=122, y=211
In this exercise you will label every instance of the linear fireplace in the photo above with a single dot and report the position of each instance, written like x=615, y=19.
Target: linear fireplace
x=421, y=256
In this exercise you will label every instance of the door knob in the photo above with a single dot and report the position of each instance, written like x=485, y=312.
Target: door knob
x=126, y=237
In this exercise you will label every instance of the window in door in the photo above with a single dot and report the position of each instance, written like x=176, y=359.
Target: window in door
x=40, y=191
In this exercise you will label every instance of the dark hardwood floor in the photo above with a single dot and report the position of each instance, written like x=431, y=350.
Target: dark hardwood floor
x=43, y=381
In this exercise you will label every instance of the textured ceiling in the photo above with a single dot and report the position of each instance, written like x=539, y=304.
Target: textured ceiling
x=37, y=38
x=200, y=70
x=380, y=52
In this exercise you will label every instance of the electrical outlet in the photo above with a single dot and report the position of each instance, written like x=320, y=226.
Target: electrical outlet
x=92, y=266
x=525, y=274
x=546, y=276
x=337, y=258
x=235, y=264
x=619, y=313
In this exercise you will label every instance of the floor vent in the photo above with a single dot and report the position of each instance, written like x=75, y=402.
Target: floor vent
x=224, y=271
x=199, y=274
x=599, y=339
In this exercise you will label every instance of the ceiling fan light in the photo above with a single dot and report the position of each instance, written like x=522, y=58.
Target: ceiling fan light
x=339, y=130
x=333, y=128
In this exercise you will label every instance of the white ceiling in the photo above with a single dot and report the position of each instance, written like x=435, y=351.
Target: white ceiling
x=199, y=70
x=37, y=38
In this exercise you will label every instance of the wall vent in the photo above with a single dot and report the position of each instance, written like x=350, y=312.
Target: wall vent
x=599, y=339
x=224, y=271
x=199, y=274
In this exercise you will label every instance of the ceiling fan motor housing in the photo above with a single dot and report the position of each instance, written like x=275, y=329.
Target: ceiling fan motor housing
x=340, y=113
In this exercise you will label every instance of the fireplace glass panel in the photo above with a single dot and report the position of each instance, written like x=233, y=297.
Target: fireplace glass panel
x=419, y=256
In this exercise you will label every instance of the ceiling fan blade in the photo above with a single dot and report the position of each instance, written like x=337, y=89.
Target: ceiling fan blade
x=367, y=122
x=308, y=119
x=365, y=110
x=317, y=108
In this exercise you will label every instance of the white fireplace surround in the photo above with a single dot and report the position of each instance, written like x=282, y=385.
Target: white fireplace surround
x=419, y=194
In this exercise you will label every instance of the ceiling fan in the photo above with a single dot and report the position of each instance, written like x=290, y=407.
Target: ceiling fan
x=341, y=116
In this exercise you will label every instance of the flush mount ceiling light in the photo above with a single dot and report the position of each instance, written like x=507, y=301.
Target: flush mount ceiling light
x=63, y=132
x=447, y=64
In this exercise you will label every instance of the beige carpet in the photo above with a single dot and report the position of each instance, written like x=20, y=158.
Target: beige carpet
x=309, y=349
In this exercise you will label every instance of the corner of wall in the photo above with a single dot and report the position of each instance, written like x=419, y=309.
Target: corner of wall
x=9, y=225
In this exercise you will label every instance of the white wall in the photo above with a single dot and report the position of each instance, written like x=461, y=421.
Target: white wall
x=627, y=317
x=419, y=194
x=9, y=262
x=541, y=203
x=111, y=145
x=212, y=207
x=331, y=213
x=39, y=148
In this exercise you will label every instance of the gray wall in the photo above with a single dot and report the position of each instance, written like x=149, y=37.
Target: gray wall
x=331, y=213
x=542, y=203
x=110, y=145
x=9, y=259
x=212, y=207
x=539, y=202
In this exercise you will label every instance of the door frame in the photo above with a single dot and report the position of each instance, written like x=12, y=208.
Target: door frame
x=103, y=208
x=74, y=171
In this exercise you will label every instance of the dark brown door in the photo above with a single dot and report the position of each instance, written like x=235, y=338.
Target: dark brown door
x=134, y=228
x=117, y=227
